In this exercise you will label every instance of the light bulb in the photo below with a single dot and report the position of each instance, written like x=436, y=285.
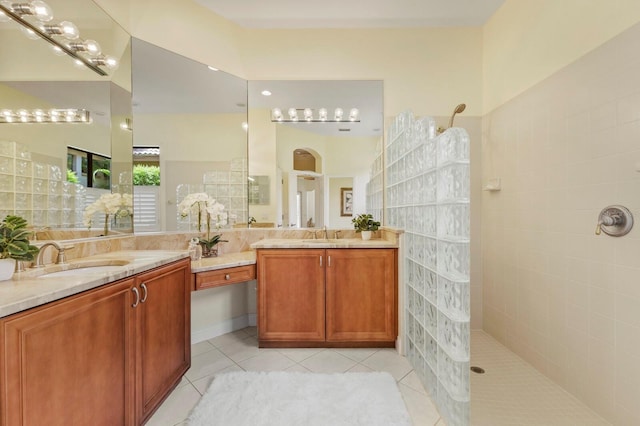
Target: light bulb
x=276, y=114
x=322, y=114
x=338, y=114
x=293, y=114
x=111, y=62
x=54, y=115
x=353, y=114
x=7, y=112
x=92, y=47
x=69, y=30
x=41, y=11
x=308, y=114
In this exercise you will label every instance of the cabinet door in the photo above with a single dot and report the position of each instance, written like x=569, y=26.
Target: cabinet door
x=291, y=295
x=361, y=295
x=70, y=362
x=164, y=333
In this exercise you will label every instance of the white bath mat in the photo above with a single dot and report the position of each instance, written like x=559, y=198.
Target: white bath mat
x=301, y=399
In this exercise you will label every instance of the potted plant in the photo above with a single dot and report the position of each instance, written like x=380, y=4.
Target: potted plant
x=207, y=209
x=365, y=224
x=14, y=245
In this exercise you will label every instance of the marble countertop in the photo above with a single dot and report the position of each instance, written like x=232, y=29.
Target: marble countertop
x=227, y=260
x=323, y=243
x=33, y=287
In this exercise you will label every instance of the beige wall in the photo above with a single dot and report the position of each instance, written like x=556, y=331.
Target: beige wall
x=526, y=41
x=561, y=297
x=428, y=70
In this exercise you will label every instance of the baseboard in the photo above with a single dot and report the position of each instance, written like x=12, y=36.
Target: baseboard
x=221, y=328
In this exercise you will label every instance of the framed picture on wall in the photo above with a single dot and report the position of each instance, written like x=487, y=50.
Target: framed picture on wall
x=346, y=201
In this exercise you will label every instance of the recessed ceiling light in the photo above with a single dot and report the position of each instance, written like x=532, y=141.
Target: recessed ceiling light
x=266, y=93
x=212, y=68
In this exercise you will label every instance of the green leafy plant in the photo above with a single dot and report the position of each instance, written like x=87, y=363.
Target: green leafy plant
x=146, y=175
x=14, y=239
x=72, y=177
x=211, y=242
x=365, y=222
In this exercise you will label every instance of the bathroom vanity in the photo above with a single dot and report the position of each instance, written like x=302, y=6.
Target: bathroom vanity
x=327, y=293
x=117, y=345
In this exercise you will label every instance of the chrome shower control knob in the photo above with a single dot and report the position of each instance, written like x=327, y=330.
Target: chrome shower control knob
x=615, y=221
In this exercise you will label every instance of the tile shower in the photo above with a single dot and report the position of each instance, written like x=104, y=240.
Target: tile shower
x=562, y=298
x=428, y=195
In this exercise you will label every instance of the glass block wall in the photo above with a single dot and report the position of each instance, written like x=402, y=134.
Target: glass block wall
x=428, y=194
x=228, y=187
x=38, y=192
x=375, y=189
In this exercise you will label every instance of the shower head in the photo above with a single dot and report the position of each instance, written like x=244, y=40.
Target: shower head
x=458, y=110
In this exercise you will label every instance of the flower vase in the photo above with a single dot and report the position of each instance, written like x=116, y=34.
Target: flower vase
x=209, y=251
x=7, y=267
x=366, y=235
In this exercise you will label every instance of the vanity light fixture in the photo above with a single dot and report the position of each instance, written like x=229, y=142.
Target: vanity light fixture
x=314, y=116
x=34, y=16
x=69, y=115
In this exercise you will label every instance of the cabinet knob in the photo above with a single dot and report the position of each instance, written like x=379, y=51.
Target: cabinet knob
x=227, y=277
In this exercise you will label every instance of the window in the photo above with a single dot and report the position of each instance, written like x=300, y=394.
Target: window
x=91, y=170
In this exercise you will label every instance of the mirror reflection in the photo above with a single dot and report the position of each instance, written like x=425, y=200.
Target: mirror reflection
x=190, y=121
x=49, y=171
x=318, y=163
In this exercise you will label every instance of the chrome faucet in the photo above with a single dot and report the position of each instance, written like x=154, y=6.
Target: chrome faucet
x=324, y=231
x=60, y=260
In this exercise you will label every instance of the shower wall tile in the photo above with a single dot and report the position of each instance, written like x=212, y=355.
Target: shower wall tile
x=562, y=298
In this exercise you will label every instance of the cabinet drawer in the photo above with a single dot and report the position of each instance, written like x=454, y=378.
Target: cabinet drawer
x=225, y=276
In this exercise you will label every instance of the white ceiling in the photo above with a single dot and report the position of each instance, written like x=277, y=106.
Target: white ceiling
x=354, y=14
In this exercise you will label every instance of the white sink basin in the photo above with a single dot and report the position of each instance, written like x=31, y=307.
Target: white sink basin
x=88, y=269
x=82, y=271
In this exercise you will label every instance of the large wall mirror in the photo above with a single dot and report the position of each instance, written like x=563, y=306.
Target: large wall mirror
x=316, y=159
x=49, y=171
x=191, y=120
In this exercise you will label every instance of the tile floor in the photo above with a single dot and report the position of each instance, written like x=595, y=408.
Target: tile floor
x=239, y=351
x=514, y=393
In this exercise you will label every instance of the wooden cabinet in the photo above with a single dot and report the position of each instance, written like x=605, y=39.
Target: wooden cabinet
x=163, y=334
x=291, y=295
x=226, y=276
x=102, y=357
x=71, y=361
x=361, y=295
x=332, y=297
